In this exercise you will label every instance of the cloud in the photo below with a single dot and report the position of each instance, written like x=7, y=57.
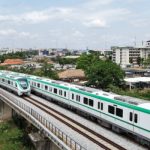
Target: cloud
x=37, y=16
x=96, y=23
x=97, y=3
x=141, y=22
x=7, y=32
x=16, y=34
x=78, y=34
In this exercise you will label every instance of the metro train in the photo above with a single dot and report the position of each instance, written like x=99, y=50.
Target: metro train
x=18, y=84
x=120, y=113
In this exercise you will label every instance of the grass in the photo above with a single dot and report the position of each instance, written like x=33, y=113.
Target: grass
x=11, y=138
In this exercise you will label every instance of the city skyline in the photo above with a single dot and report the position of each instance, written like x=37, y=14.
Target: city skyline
x=95, y=24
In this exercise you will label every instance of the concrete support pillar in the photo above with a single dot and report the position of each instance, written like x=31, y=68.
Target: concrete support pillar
x=5, y=111
x=42, y=143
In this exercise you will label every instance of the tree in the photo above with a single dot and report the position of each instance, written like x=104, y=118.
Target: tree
x=139, y=60
x=3, y=67
x=21, y=55
x=130, y=60
x=101, y=74
x=47, y=71
x=85, y=60
x=147, y=62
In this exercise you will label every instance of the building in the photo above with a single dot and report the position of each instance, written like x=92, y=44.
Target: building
x=72, y=75
x=127, y=56
x=11, y=50
x=13, y=63
x=124, y=56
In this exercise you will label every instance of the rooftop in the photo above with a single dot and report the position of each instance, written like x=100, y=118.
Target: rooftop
x=12, y=62
x=72, y=73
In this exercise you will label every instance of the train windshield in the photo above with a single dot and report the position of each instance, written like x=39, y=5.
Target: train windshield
x=23, y=83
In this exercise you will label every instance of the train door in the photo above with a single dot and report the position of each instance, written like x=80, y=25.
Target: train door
x=134, y=119
x=131, y=120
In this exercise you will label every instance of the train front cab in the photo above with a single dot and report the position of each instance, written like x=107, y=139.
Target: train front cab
x=23, y=86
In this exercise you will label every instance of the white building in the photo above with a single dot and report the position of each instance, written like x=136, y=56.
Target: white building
x=11, y=50
x=125, y=56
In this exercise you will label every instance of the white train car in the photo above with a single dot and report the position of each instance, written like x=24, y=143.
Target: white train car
x=111, y=110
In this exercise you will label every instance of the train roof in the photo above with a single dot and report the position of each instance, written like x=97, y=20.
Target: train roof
x=10, y=75
x=98, y=92
x=145, y=105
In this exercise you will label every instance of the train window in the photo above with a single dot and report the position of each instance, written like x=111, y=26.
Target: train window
x=98, y=106
x=38, y=85
x=60, y=92
x=72, y=96
x=119, y=112
x=65, y=93
x=55, y=91
x=78, y=98
x=50, y=89
x=3, y=80
x=46, y=87
x=131, y=116
x=102, y=106
x=91, y=103
x=85, y=100
x=111, y=109
x=16, y=84
x=34, y=83
x=8, y=82
x=135, y=118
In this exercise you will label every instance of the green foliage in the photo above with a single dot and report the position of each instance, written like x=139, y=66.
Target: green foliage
x=86, y=60
x=47, y=71
x=64, y=61
x=3, y=67
x=27, y=70
x=130, y=60
x=20, y=55
x=100, y=74
x=147, y=62
x=95, y=52
x=139, y=60
x=103, y=73
x=10, y=137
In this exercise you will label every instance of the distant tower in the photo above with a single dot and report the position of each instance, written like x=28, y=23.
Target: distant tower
x=87, y=48
x=39, y=52
x=142, y=43
x=135, y=41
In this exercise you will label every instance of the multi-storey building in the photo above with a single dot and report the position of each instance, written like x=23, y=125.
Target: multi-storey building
x=125, y=56
x=11, y=50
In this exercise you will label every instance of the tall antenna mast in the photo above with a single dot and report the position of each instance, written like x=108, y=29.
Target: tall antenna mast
x=135, y=41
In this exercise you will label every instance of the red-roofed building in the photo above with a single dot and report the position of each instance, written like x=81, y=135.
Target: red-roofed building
x=12, y=62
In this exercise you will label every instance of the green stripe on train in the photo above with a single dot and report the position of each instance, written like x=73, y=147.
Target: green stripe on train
x=99, y=97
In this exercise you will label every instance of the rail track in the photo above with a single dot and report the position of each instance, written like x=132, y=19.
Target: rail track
x=96, y=138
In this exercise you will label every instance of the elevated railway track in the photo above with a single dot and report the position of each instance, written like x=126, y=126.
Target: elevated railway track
x=78, y=127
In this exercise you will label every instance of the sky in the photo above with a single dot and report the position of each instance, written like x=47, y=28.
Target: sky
x=73, y=24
